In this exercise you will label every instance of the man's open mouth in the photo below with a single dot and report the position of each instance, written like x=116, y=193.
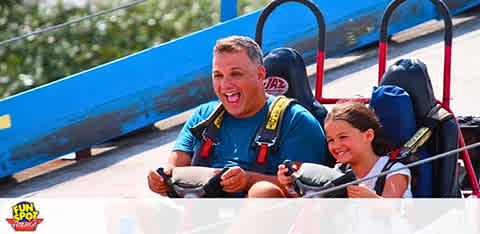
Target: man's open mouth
x=232, y=97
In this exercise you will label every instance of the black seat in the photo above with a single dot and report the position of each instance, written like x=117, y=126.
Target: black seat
x=287, y=64
x=412, y=75
x=287, y=75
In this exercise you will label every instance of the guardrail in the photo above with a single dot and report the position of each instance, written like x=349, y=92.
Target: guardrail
x=113, y=99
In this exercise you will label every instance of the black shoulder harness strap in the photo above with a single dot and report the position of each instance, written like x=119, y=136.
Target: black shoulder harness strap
x=268, y=135
x=266, y=139
x=207, y=132
x=407, y=153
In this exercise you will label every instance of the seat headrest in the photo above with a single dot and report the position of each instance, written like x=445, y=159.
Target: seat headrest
x=412, y=76
x=286, y=65
x=286, y=75
x=394, y=109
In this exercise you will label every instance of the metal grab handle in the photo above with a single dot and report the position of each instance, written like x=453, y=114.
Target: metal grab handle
x=313, y=7
x=382, y=55
x=321, y=36
x=441, y=6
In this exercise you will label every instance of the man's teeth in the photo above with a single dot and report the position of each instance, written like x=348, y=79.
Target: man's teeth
x=232, y=97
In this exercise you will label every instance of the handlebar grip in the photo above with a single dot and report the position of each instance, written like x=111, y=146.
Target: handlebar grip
x=288, y=164
x=216, y=177
x=213, y=188
x=161, y=172
x=168, y=180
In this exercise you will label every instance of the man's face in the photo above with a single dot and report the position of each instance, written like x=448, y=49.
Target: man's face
x=238, y=83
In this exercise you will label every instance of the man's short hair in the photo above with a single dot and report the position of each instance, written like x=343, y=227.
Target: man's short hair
x=237, y=43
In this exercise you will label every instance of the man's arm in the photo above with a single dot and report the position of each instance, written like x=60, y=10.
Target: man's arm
x=183, y=148
x=178, y=159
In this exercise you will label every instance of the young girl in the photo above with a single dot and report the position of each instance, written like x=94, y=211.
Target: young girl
x=354, y=138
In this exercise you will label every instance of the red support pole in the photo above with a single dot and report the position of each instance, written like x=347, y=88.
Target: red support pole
x=468, y=165
x=447, y=75
x=319, y=84
x=382, y=59
x=319, y=76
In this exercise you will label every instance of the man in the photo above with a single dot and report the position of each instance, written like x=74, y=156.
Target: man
x=237, y=76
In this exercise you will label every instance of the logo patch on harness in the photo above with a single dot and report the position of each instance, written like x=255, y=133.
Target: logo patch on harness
x=275, y=85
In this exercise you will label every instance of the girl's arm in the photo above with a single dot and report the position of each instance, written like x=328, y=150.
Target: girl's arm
x=395, y=186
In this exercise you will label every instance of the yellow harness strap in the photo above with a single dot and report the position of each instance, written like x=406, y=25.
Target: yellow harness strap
x=268, y=135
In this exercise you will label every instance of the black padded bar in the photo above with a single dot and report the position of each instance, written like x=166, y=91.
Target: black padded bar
x=441, y=7
x=313, y=7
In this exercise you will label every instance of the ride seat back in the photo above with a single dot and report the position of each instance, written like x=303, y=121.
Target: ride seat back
x=412, y=75
x=287, y=75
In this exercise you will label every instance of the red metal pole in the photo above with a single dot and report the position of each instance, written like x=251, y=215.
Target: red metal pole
x=319, y=76
x=382, y=59
x=447, y=75
x=319, y=84
x=468, y=165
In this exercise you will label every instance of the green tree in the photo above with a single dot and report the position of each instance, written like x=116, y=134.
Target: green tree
x=50, y=56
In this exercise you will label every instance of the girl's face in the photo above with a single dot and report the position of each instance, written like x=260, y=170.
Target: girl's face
x=346, y=143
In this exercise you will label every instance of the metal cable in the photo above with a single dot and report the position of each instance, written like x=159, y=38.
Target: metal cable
x=55, y=27
x=438, y=156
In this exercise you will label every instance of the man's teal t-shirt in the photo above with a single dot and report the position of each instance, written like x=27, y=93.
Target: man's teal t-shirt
x=301, y=138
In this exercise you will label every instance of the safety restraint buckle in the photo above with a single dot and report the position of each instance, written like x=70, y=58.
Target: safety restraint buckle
x=264, y=145
x=259, y=140
x=208, y=142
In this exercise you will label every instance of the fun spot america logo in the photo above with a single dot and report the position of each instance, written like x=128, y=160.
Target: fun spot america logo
x=24, y=217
